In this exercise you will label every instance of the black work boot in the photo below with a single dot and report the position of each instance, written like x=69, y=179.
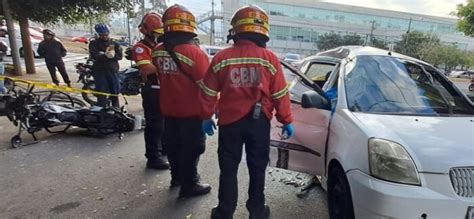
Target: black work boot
x=262, y=214
x=217, y=214
x=194, y=190
x=159, y=164
x=174, y=183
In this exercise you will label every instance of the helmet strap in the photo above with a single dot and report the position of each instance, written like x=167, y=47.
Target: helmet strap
x=230, y=36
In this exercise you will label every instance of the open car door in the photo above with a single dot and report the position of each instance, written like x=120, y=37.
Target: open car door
x=305, y=151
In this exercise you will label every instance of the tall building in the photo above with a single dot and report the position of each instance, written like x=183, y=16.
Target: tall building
x=295, y=25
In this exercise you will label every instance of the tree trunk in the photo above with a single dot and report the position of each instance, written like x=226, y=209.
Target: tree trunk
x=12, y=38
x=27, y=47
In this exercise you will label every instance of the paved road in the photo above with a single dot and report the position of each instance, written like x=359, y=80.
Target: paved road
x=74, y=175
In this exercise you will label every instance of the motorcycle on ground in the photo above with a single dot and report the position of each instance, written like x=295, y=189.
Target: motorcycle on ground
x=55, y=111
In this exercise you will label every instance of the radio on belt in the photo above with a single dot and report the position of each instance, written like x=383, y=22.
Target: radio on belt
x=257, y=110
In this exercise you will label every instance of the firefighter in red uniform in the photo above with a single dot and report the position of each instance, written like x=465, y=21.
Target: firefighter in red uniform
x=251, y=84
x=152, y=28
x=180, y=65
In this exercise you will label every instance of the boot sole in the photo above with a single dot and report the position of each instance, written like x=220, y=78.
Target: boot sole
x=204, y=192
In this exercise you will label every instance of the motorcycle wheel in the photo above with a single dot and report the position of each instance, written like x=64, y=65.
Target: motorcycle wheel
x=16, y=141
x=89, y=98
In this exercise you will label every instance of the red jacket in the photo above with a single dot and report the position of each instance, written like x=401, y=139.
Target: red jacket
x=245, y=74
x=141, y=53
x=179, y=96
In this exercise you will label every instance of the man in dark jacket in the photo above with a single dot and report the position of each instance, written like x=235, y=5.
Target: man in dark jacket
x=53, y=52
x=106, y=53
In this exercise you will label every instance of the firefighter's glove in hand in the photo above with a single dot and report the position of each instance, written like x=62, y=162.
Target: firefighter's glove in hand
x=287, y=131
x=208, y=126
x=110, y=54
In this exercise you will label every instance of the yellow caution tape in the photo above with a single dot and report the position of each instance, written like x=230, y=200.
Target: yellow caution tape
x=57, y=88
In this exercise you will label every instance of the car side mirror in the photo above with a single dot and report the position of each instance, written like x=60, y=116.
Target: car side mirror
x=311, y=99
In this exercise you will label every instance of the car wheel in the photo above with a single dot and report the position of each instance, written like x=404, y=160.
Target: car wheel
x=22, y=52
x=339, y=194
x=471, y=87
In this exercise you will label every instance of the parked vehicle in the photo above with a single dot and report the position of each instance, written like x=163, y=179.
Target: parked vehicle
x=471, y=85
x=462, y=74
x=83, y=39
x=35, y=43
x=211, y=50
x=389, y=135
x=130, y=81
x=35, y=36
x=292, y=58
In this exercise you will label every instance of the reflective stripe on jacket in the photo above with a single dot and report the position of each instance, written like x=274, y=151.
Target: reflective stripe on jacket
x=179, y=90
x=244, y=75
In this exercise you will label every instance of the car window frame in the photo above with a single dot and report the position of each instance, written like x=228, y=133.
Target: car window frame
x=301, y=78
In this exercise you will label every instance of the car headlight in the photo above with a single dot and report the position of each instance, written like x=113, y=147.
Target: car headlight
x=391, y=162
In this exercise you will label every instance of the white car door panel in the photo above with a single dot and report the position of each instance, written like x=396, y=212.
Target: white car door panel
x=305, y=151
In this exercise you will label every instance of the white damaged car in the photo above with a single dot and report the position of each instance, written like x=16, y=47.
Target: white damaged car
x=390, y=135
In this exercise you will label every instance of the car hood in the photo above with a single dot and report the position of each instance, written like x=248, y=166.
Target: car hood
x=435, y=143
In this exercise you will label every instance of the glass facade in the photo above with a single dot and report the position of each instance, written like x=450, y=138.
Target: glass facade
x=359, y=23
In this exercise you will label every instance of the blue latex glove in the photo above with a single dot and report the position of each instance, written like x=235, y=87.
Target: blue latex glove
x=208, y=126
x=287, y=131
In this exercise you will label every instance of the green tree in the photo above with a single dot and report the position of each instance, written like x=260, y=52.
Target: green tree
x=68, y=11
x=417, y=44
x=332, y=40
x=53, y=11
x=377, y=43
x=465, y=14
x=448, y=56
x=329, y=41
x=353, y=39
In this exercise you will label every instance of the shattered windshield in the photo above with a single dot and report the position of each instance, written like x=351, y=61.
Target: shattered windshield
x=384, y=84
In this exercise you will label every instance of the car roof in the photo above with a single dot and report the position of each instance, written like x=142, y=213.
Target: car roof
x=354, y=51
x=321, y=58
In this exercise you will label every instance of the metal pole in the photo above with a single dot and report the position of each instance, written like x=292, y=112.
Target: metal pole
x=407, y=35
x=371, y=33
x=212, y=25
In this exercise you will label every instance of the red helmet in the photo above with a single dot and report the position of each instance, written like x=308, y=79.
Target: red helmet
x=250, y=19
x=151, y=23
x=177, y=18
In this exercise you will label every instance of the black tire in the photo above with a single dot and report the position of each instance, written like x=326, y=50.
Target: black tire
x=339, y=194
x=16, y=141
x=471, y=87
x=22, y=52
x=89, y=98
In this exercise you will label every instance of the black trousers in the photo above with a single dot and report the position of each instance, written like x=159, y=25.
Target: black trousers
x=62, y=70
x=153, y=121
x=107, y=81
x=184, y=142
x=255, y=134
